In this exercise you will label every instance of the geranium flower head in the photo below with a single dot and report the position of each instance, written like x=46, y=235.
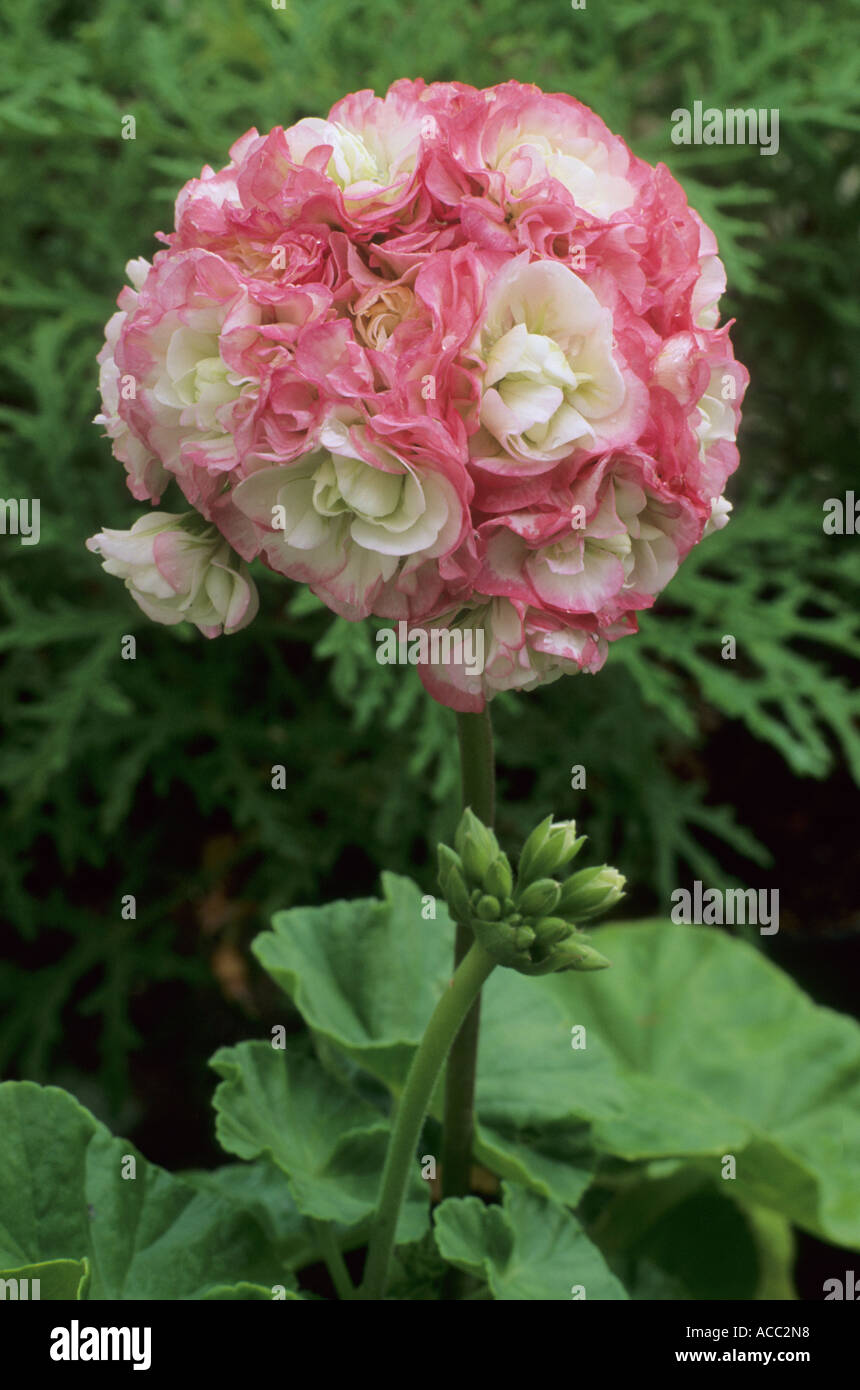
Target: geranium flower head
x=444, y=355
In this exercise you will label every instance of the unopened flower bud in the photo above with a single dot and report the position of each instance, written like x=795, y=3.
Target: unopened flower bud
x=530, y=926
x=576, y=954
x=551, y=930
x=453, y=883
x=530, y=849
x=476, y=845
x=539, y=898
x=548, y=849
x=448, y=862
x=499, y=879
x=573, y=887
x=590, y=892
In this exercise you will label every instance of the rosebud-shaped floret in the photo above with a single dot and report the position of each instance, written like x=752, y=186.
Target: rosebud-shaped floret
x=373, y=145
x=553, y=381
x=168, y=384
x=530, y=138
x=477, y=847
x=353, y=519
x=178, y=569
x=610, y=549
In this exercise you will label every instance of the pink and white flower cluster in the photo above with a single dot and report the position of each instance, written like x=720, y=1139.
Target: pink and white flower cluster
x=447, y=355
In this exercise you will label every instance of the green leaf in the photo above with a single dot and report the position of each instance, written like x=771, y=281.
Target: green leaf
x=329, y=1143
x=526, y=1249
x=366, y=974
x=693, y=1013
x=680, y=1237
x=556, y=1160
x=251, y=1293
x=530, y=1076
x=261, y=1190
x=153, y=1236
x=677, y=1238
x=57, y=1279
x=333, y=963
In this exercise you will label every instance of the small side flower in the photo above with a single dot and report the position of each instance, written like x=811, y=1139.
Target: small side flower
x=179, y=568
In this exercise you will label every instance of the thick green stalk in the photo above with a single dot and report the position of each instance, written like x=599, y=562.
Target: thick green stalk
x=477, y=765
x=478, y=782
x=423, y=1074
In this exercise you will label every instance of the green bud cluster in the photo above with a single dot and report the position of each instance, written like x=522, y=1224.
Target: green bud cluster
x=528, y=921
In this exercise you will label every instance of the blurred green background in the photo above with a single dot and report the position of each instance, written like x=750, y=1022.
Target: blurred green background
x=152, y=777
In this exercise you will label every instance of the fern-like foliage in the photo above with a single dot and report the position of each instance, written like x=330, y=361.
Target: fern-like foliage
x=773, y=581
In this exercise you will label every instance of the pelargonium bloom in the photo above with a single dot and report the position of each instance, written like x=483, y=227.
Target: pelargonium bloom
x=351, y=517
x=177, y=569
x=610, y=547
x=522, y=647
x=444, y=355
x=554, y=384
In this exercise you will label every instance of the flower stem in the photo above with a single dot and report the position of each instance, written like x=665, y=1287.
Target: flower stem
x=335, y=1263
x=412, y=1108
x=477, y=765
x=478, y=781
